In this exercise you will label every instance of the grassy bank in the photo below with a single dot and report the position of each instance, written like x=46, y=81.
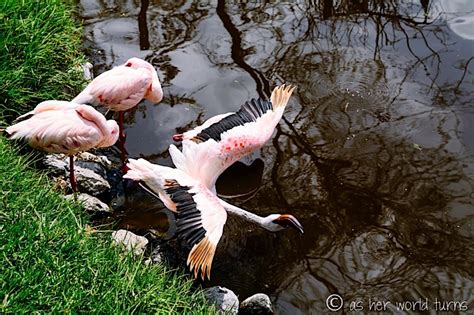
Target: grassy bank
x=41, y=54
x=48, y=260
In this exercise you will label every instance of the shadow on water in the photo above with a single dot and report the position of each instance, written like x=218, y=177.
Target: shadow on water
x=374, y=154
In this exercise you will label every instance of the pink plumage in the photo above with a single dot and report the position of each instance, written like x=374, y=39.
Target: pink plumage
x=64, y=127
x=226, y=138
x=123, y=87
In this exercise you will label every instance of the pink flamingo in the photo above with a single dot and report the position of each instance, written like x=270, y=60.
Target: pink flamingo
x=64, y=127
x=189, y=190
x=121, y=89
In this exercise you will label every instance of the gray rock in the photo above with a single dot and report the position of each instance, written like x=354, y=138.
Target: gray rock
x=89, y=170
x=99, y=159
x=90, y=203
x=130, y=241
x=257, y=304
x=87, y=71
x=56, y=164
x=90, y=182
x=157, y=257
x=224, y=299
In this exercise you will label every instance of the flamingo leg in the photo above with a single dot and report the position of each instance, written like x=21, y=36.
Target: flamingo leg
x=122, y=137
x=72, y=178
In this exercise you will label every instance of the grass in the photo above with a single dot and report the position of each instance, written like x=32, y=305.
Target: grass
x=41, y=54
x=49, y=261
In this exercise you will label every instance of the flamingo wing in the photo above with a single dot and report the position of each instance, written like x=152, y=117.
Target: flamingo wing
x=200, y=223
x=200, y=216
x=234, y=135
x=120, y=88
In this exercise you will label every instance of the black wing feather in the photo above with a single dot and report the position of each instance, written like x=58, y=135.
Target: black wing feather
x=249, y=112
x=189, y=221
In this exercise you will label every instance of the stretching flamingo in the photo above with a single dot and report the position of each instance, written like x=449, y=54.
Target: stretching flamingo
x=201, y=215
x=121, y=89
x=226, y=138
x=64, y=127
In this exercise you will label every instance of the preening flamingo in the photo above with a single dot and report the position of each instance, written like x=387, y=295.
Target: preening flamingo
x=121, y=89
x=201, y=215
x=229, y=137
x=64, y=127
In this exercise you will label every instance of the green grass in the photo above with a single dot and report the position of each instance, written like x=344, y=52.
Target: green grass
x=49, y=263
x=41, y=54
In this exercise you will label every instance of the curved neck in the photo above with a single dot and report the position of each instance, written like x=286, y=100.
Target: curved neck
x=243, y=213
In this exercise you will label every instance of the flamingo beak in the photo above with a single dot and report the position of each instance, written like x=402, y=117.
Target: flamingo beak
x=178, y=137
x=287, y=220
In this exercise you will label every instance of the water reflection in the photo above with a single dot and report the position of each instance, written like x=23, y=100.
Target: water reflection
x=374, y=155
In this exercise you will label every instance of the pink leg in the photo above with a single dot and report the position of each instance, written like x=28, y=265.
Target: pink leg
x=123, y=152
x=72, y=178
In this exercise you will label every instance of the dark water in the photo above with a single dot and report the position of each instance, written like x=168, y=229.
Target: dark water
x=374, y=155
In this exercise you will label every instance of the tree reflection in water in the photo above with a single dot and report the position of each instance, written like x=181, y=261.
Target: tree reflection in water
x=374, y=154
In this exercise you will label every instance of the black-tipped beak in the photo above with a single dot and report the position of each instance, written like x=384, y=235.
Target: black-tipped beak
x=288, y=220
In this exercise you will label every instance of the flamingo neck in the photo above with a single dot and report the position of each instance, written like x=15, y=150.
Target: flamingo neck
x=249, y=216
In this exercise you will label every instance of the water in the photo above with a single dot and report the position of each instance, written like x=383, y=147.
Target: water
x=374, y=155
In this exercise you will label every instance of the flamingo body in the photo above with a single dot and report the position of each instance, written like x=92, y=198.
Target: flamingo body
x=123, y=87
x=64, y=127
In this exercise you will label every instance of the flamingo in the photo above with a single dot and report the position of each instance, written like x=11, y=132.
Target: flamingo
x=229, y=137
x=207, y=151
x=121, y=89
x=201, y=215
x=64, y=127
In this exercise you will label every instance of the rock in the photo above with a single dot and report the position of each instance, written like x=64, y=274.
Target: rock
x=99, y=159
x=90, y=203
x=87, y=71
x=224, y=299
x=95, y=167
x=130, y=241
x=257, y=304
x=56, y=164
x=157, y=258
x=89, y=170
x=90, y=182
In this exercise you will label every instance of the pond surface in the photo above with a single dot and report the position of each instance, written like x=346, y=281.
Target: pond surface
x=374, y=155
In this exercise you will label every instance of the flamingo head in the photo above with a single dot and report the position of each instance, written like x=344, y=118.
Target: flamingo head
x=277, y=222
x=154, y=93
x=112, y=136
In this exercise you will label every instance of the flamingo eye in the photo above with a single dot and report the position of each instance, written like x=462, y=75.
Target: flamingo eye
x=128, y=64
